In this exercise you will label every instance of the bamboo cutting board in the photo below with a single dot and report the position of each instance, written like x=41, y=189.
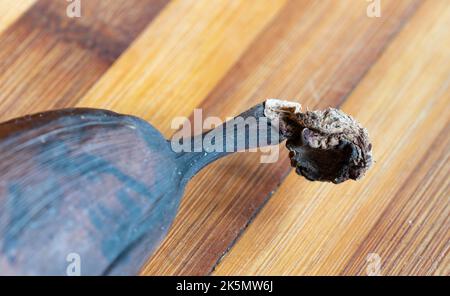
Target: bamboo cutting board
x=160, y=59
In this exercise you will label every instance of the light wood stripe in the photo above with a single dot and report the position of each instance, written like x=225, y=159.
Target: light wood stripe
x=179, y=58
x=10, y=11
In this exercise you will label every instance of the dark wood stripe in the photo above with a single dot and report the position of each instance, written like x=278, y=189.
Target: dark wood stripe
x=106, y=27
x=420, y=198
x=330, y=72
x=48, y=60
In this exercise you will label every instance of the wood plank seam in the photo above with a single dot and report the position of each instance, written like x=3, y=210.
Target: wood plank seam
x=234, y=263
x=266, y=27
x=251, y=219
x=13, y=11
x=410, y=13
x=170, y=248
x=93, y=38
x=65, y=56
x=404, y=20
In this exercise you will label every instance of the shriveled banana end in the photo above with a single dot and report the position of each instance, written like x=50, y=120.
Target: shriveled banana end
x=324, y=145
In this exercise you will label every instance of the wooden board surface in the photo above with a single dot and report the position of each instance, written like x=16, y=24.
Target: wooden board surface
x=161, y=59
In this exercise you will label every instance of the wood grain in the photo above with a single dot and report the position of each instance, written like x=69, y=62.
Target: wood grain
x=417, y=216
x=10, y=11
x=324, y=229
x=49, y=60
x=158, y=60
x=179, y=58
x=289, y=60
